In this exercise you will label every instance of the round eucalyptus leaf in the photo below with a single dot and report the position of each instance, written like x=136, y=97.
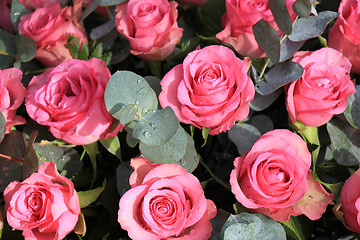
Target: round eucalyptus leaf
x=244, y=136
x=25, y=48
x=191, y=159
x=2, y=127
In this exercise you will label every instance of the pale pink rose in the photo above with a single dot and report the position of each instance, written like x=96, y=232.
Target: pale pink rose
x=49, y=27
x=345, y=34
x=165, y=202
x=150, y=26
x=274, y=178
x=5, y=19
x=12, y=94
x=34, y=4
x=350, y=201
x=239, y=19
x=210, y=89
x=69, y=99
x=43, y=206
x=324, y=88
x=194, y=2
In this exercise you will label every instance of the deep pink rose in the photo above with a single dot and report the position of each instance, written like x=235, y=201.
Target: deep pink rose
x=12, y=94
x=194, y=2
x=69, y=99
x=44, y=206
x=210, y=89
x=274, y=178
x=239, y=19
x=150, y=26
x=165, y=202
x=34, y=4
x=323, y=89
x=5, y=19
x=49, y=27
x=350, y=201
x=345, y=34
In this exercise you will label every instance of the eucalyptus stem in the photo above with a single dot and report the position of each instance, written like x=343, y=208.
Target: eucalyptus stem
x=12, y=158
x=221, y=182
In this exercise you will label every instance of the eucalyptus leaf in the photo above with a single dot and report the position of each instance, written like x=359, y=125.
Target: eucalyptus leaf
x=345, y=142
x=302, y=8
x=7, y=46
x=112, y=144
x=246, y=226
x=352, y=112
x=170, y=152
x=125, y=87
x=30, y=158
x=25, y=48
x=191, y=159
x=89, y=9
x=244, y=136
x=268, y=40
x=262, y=102
x=281, y=15
x=111, y=2
x=123, y=172
x=17, y=11
x=130, y=140
x=278, y=76
x=102, y=30
x=156, y=127
x=2, y=127
x=129, y=114
x=288, y=48
x=90, y=196
x=312, y=26
x=92, y=149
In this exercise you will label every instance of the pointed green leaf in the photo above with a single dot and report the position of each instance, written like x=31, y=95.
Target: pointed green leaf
x=90, y=196
x=97, y=52
x=205, y=134
x=156, y=127
x=112, y=144
x=268, y=40
x=84, y=52
x=92, y=149
x=73, y=44
x=294, y=229
x=281, y=15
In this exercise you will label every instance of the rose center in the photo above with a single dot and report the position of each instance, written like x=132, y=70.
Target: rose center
x=276, y=175
x=145, y=9
x=34, y=202
x=323, y=83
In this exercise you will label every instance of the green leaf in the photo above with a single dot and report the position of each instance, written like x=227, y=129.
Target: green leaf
x=294, y=229
x=123, y=172
x=262, y=102
x=288, y=48
x=97, y=52
x=268, y=40
x=17, y=11
x=278, y=76
x=84, y=52
x=31, y=159
x=129, y=114
x=7, y=46
x=205, y=134
x=112, y=144
x=352, y=112
x=312, y=26
x=246, y=226
x=91, y=149
x=191, y=159
x=102, y=30
x=244, y=136
x=111, y=2
x=80, y=227
x=345, y=142
x=281, y=15
x=90, y=196
x=2, y=127
x=132, y=142
x=25, y=48
x=73, y=44
x=89, y=9
x=170, y=152
x=125, y=87
x=302, y=8
x=107, y=56
x=156, y=127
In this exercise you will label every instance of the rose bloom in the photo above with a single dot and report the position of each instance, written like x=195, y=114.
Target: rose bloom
x=350, y=201
x=323, y=89
x=49, y=27
x=43, y=206
x=194, y=2
x=12, y=94
x=239, y=19
x=150, y=26
x=273, y=178
x=69, y=99
x=165, y=202
x=33, y=4
x=210, y=89
x=5, y=19
x=345, y=34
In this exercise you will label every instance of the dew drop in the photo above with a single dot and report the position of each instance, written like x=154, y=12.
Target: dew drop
x=136, y=102
x=156, y=129
x=182, y=161
x=139, y=81
x=147, y=134
x=154, y=111
x=51, y=153
x=16, y=14
x=152, y=125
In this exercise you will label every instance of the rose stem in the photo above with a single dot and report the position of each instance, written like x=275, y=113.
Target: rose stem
x=221, y=182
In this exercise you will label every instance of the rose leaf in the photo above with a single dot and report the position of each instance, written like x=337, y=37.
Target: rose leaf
x=90, y=196
x=112, y=144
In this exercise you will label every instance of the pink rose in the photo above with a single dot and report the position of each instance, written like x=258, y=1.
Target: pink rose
x=43, y=206
x=345, y=34
x=323, y=89
x=70, y=100
x=49, y=27
x=5, y=19
x=12, y=94
x=33, y=4
x=165, y=202
x=239, y=19
x=194, y=2
x=150, y=27
x=210, y=89
x=274, y=178
x=350, y=201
